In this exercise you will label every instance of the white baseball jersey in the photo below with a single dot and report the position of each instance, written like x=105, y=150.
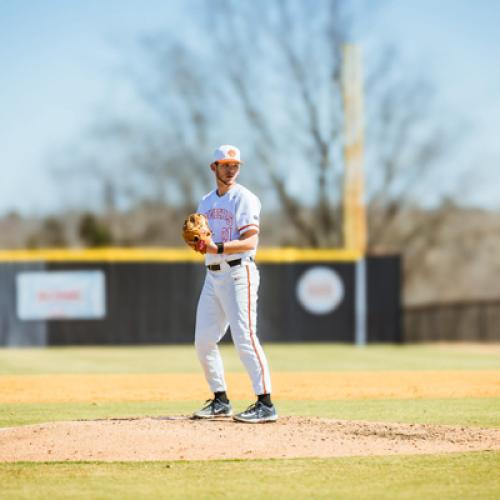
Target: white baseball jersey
x=230, y=216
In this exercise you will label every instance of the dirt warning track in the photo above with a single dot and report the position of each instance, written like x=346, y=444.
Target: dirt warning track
x=66, y=388
x=179, y=438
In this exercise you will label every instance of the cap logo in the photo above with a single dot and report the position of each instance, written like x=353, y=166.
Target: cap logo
x=232, y=153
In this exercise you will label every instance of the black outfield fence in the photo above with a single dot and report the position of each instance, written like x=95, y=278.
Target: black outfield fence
x=477, y=321
x=149, y=297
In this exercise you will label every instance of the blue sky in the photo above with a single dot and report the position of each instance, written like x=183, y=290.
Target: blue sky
x=57, y=59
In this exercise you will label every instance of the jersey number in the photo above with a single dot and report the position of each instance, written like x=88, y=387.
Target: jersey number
x=226, y=234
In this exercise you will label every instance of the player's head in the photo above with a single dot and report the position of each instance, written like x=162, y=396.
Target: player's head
x=226, y=164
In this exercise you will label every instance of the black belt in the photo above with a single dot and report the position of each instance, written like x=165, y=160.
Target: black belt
x=232, y=263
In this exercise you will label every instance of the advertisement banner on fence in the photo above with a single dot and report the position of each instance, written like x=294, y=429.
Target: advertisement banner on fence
x=49, y=295
x=320, y=290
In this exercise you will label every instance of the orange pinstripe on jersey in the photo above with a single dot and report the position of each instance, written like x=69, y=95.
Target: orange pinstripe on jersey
x=248, y=225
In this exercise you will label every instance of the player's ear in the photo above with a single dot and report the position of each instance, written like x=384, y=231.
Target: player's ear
x=213, y=165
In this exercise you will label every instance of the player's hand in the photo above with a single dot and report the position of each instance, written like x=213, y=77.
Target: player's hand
x=211, y=247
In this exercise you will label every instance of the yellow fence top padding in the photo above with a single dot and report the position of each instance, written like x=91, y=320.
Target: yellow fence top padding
x=112, y=254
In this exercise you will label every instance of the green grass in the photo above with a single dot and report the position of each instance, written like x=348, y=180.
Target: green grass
x=479, y=412
x=282, y=357
x=471, y=475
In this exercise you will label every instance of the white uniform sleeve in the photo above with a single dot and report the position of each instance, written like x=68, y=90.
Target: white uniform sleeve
x=248, y=214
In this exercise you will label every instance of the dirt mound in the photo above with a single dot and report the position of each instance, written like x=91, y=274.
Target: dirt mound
x=179, y=438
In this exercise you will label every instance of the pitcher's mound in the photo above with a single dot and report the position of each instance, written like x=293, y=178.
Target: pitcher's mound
x=178, y=438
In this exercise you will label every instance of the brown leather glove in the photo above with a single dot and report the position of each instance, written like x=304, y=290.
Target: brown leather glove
x=196, y=232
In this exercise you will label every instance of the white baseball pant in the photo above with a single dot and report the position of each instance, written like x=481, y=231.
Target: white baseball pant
x=229, y=297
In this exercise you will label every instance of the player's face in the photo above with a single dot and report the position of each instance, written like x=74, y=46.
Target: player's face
x=227, y=172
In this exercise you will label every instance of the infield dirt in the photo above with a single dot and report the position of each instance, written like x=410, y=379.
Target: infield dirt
x=179, y=438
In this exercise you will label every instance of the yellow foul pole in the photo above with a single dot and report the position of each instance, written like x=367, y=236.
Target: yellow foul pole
x=354, y=210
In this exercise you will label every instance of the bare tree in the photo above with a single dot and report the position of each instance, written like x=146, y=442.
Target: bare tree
x=295, y=53
x=267, y=76
x=152, y=158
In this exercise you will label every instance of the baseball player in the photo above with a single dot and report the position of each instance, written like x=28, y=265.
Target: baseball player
x=229, y=294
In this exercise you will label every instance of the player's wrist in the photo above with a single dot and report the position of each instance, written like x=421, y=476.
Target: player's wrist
x=220, y=247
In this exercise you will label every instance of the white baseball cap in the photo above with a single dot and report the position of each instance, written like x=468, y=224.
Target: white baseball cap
x=227, y=153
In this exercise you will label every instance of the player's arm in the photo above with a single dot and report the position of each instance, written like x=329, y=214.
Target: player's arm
x=247, y=241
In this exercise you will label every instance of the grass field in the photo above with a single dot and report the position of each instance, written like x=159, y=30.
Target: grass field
x=445, y=476
x=430, y=477
x=282, y=357
x=479, y=412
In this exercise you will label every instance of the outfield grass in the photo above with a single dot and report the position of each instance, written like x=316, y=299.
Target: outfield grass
x=282, y=357
x=471, y=475
x=479, y=412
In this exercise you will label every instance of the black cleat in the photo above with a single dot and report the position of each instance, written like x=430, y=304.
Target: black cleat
x=214, y=409
x=257, y=413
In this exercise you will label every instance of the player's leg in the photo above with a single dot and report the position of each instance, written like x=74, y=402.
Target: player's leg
x=211, y=324
x=240, y=306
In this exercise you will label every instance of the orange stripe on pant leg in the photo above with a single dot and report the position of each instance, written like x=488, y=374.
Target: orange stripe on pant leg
x=251, y=331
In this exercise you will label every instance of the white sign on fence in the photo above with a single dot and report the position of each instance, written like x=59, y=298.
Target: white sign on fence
x=43, y=295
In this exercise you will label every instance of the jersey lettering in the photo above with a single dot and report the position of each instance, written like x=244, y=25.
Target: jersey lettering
x=220, y=214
